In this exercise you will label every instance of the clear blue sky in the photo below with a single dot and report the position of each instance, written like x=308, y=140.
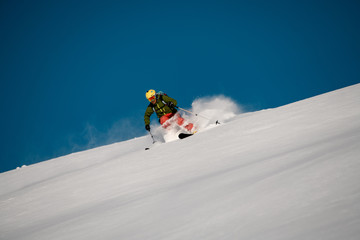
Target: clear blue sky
x=74, y=73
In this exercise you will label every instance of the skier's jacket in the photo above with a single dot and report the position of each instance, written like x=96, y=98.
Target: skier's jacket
x=160, y=107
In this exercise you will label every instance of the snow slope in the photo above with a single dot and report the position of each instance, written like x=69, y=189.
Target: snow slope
x=285, y=173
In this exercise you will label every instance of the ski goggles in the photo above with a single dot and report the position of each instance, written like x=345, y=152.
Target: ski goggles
x=151, y=99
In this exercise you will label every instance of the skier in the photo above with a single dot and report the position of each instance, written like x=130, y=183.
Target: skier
x=165, y=109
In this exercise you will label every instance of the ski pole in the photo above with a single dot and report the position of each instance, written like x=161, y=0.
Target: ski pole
x=217, y=122
x=152, y=137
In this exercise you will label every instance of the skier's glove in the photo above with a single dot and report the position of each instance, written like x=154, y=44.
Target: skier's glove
x=171, y=104
x=147, y=127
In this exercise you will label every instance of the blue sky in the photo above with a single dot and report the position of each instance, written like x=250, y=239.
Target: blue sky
x=74, y=73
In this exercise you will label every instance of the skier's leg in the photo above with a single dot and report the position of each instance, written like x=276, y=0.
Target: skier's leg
x=180, y=122
x=164, y=120
x=189, y=127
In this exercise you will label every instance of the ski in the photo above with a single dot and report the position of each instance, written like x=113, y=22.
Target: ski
x=185, y=135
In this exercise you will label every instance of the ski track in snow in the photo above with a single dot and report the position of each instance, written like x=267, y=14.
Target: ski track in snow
x=286, y=173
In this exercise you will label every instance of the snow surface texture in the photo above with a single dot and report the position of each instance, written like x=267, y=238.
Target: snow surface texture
x=285, y=173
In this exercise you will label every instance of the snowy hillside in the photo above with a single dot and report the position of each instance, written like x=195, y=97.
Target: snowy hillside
x=287, y=173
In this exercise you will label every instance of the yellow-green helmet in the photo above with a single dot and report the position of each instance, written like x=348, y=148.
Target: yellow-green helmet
x=150, y=94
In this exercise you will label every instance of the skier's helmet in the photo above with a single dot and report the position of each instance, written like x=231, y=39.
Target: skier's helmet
x=150, y=95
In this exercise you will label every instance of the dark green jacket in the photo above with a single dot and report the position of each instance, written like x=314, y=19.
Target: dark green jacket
x=159, y=107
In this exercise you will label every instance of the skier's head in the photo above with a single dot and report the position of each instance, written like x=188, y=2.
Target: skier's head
x=150, y=95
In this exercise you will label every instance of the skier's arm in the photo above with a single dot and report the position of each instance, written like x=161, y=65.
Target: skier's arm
x=149, y=111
